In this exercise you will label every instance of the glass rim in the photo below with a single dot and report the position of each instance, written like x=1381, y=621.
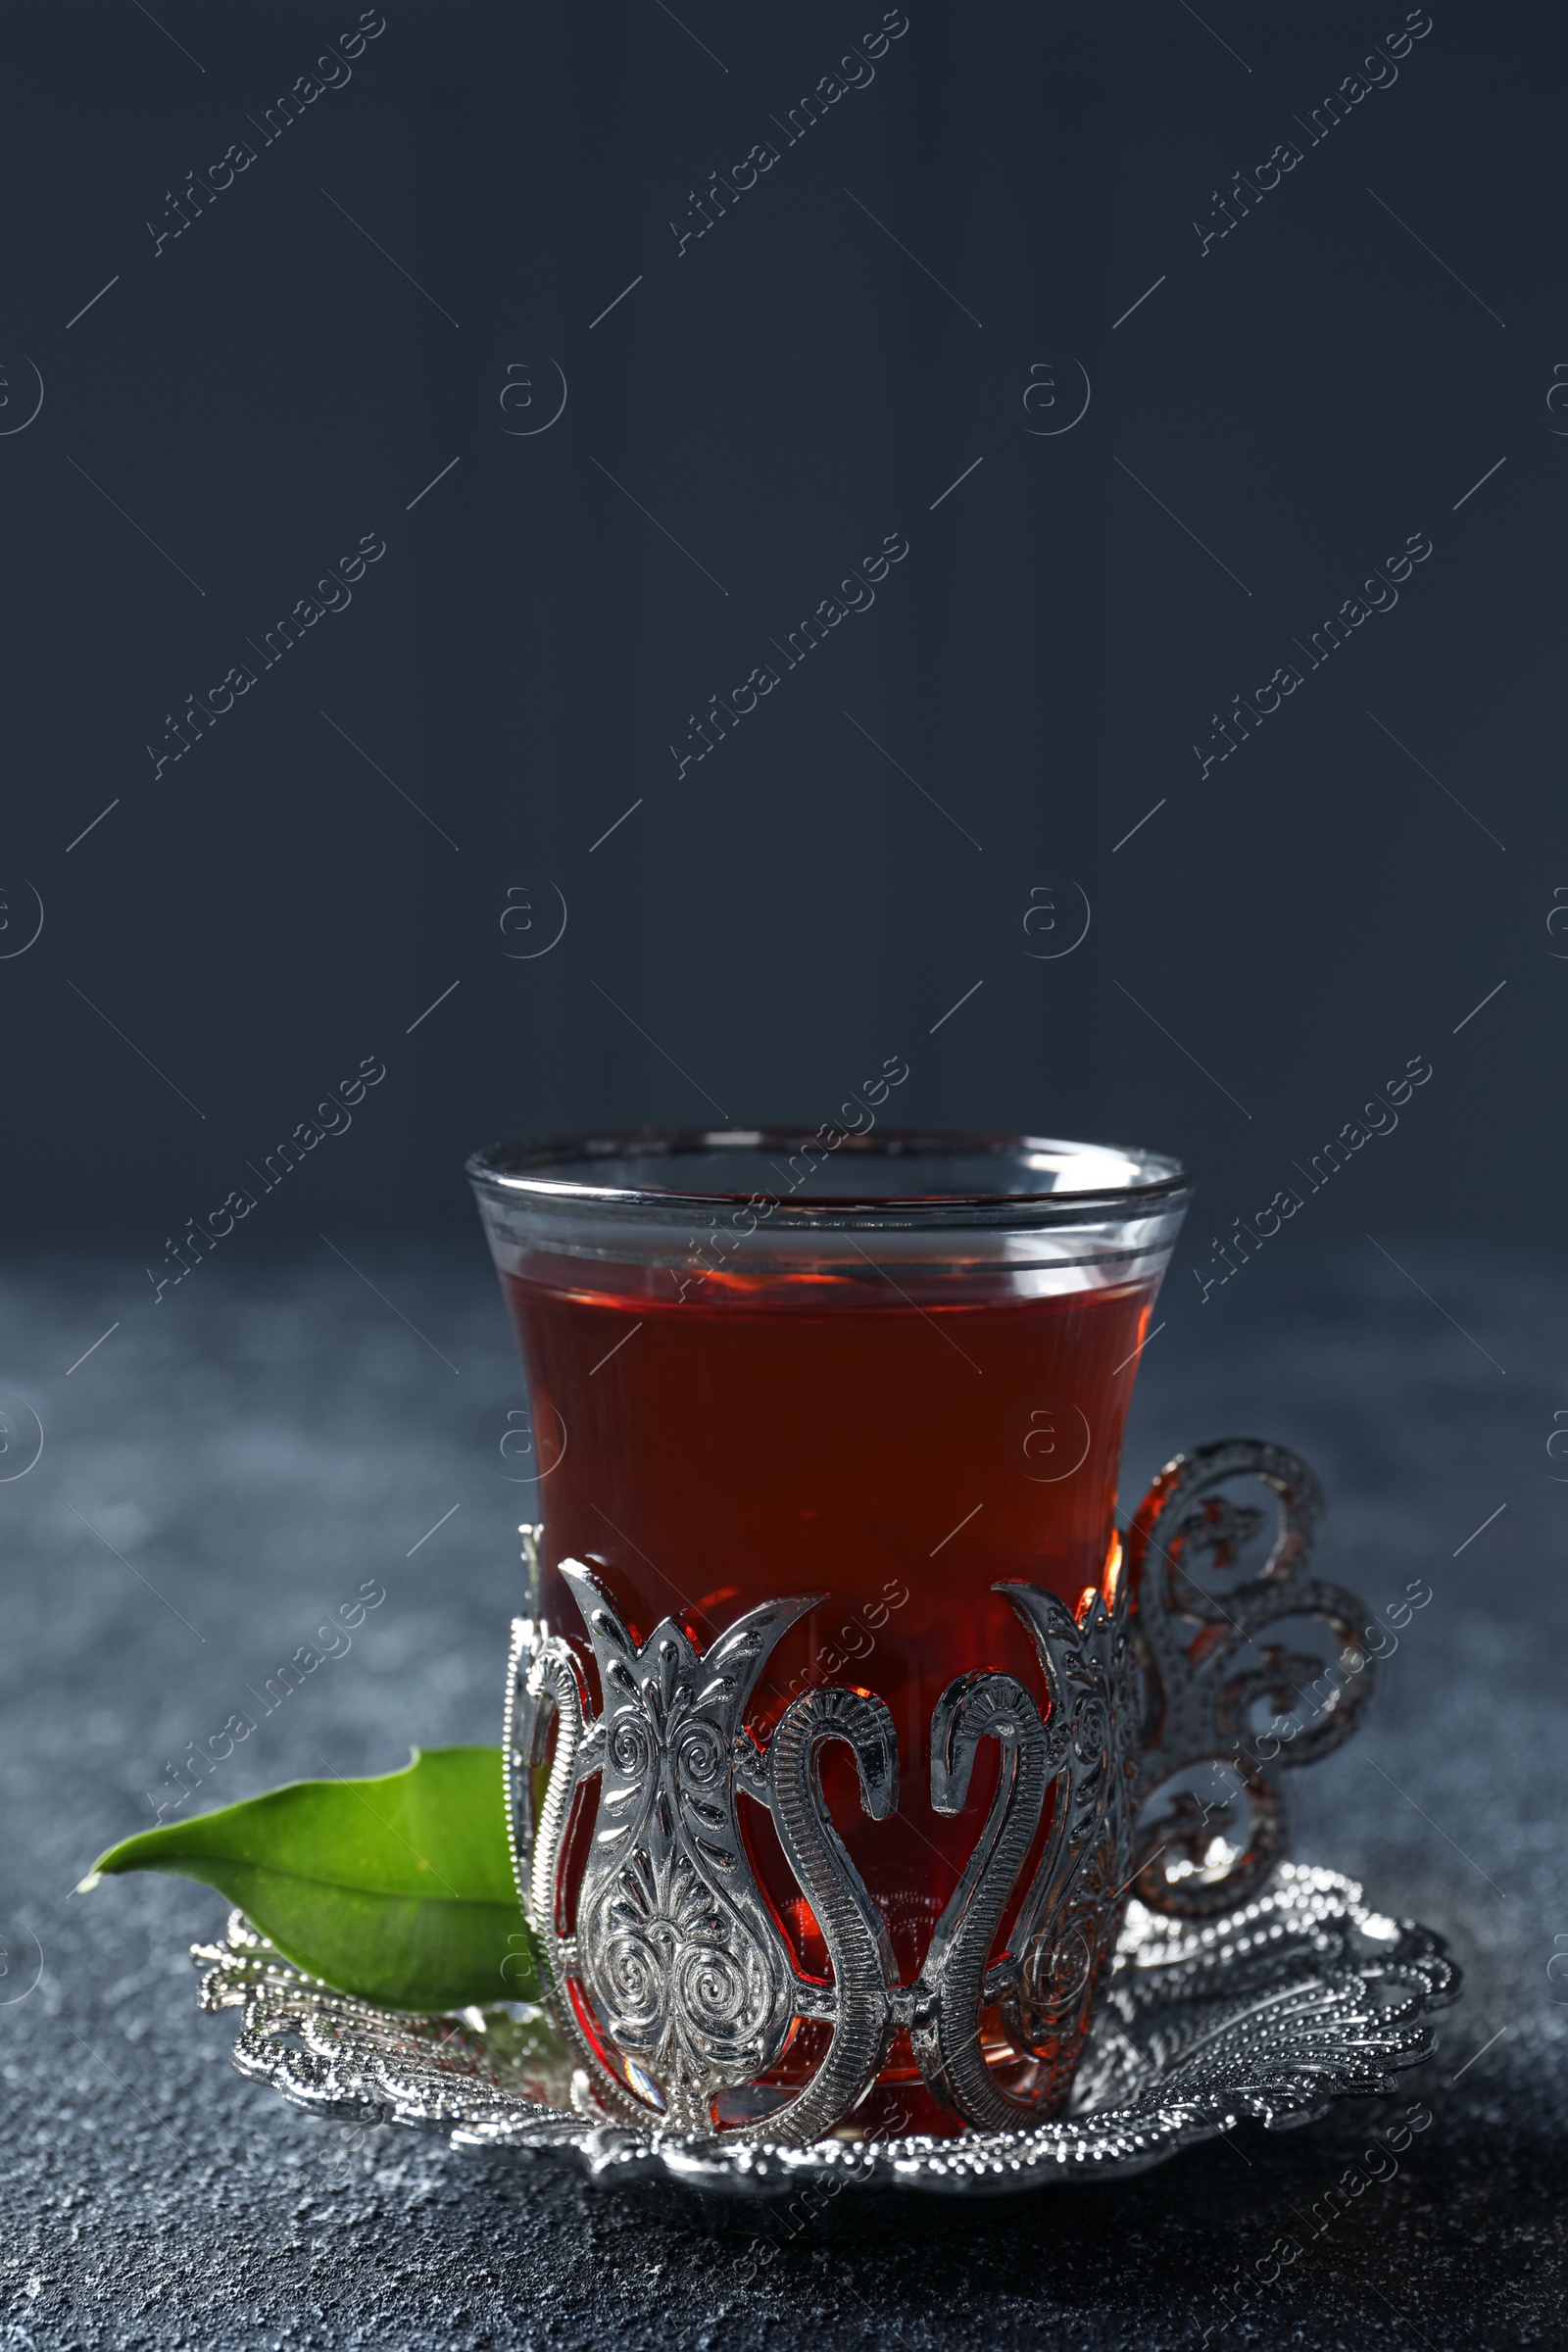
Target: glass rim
x=516, y=1173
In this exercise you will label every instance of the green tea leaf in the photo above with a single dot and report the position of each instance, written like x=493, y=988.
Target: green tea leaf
x=398, y=1889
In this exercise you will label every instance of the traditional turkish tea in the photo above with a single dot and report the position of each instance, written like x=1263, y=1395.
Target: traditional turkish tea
x=769, y=1439
x=894, y=1392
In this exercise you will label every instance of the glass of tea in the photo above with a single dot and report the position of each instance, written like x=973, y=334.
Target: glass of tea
x=810, y=1418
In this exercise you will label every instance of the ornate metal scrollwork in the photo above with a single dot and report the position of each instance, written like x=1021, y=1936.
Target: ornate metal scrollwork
x=1202, y=1680
x=675, y=1964
x=1044, y=1985
x=671, y=1975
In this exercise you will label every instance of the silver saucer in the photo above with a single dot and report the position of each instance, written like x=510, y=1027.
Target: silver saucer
x=1299, y=1997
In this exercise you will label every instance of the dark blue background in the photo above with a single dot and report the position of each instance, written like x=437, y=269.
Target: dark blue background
x=784, y=392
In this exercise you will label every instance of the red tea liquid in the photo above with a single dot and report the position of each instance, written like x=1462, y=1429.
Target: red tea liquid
x=793, y=1435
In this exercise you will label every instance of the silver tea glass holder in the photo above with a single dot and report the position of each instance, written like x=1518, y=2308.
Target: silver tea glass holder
x=1166, y=1971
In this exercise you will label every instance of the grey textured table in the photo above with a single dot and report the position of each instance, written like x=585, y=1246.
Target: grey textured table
x=232, y=1463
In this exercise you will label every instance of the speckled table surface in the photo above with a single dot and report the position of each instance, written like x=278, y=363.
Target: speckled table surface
x=226, y=1467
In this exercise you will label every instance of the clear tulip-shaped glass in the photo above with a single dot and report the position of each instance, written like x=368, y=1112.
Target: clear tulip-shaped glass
x=886, y=1368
